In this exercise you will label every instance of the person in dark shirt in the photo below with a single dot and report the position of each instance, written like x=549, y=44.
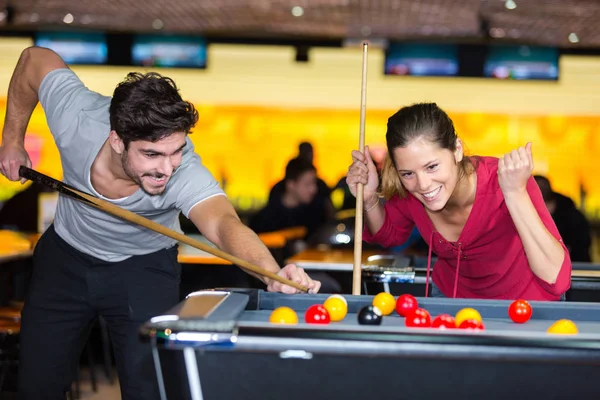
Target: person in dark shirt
x=295, y=205
x=322, y=199
x=21, y=211
x=572, y=225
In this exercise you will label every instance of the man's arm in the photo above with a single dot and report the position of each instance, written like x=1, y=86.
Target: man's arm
x=216, y=219
x=33, y=65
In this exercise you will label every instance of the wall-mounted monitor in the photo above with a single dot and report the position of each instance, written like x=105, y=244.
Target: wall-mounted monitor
x=75, y=48
x=522, y=62
x=169, y=51
x=421, y=59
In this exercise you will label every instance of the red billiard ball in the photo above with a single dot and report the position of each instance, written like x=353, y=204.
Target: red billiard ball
x=444, y=321
x=520, y=311
x=317, y=314
x=472, y=324
x=406, y=304
x=419, y=318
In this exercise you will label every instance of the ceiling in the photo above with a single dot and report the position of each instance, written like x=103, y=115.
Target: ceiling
x=545, y=22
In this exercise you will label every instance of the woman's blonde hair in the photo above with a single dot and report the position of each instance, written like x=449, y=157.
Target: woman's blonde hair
x=410, y=123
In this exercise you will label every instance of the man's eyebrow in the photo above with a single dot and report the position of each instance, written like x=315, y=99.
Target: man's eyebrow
x=160, y=153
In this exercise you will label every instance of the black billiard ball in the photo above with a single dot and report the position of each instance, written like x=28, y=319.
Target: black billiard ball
x=370, y=315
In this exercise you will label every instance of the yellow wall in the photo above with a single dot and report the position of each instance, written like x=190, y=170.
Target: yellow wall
x=256, y=104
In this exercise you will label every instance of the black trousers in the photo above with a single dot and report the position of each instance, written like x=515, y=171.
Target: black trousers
x=68, y=291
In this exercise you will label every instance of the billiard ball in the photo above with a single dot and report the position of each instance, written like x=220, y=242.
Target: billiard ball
x=339, y=296
x=385, y=302
x=419, y=318
x=370, y=315
x=283, y=315
x=520, y=311
x=336, y=308
x=467, y=313
x=444, y=321
x=317, y=314
x=406, y=304
x=563, y=327
x=472, y=324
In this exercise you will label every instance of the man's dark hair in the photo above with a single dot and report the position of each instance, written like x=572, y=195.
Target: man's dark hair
x=296, y=167
x=545, y=187
x=148, y=107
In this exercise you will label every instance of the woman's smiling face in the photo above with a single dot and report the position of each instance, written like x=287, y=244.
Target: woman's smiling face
x=428, y=172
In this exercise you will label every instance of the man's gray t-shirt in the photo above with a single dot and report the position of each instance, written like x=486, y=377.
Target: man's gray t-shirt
x=79, y=121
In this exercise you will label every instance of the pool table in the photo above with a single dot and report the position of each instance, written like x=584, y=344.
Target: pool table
x=218, y=344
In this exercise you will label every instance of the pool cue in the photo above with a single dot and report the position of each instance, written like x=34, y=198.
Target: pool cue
x=117, y=211
x=358, y=221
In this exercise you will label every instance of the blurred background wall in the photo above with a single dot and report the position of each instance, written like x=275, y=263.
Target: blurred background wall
x=257, y=104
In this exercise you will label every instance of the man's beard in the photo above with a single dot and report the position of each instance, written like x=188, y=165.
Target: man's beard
x=134, y=177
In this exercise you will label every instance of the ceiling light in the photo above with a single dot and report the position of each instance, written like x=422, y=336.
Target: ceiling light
x=68, y=18
x=157, y=24
x=497, y=32
x=297, y=11
x=573, y=38
x=510, y=4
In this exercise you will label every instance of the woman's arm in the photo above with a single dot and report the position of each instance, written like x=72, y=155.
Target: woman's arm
x=363, y=170
x=545, y=253
x=378, y=225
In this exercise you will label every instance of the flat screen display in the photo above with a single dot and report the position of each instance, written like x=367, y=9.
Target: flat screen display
x=75, y=48
x=522, y=62
x=169, y=51
x=421, y=59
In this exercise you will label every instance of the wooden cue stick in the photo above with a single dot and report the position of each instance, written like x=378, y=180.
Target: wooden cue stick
x=358, y=221
x=145, y=222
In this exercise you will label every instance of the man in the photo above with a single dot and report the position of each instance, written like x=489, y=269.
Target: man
x=21, y=212
x=572, y=225
x=293, y=206
x=133, y=150
x=322, y=199
x=296, y=207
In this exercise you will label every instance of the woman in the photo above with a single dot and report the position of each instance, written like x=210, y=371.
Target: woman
x=483, y=217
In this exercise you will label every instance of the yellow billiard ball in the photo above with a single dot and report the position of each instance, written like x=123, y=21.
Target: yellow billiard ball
x=339, y=296
x=465, y=314
x=337, y=307
x=283, y=315
x=385, y=302
x=563, y=327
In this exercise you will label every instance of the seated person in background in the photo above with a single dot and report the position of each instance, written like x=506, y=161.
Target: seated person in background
x=296, y=207
x=572, y=225
x=21, y=211
x=322, y=199
x=483, y=217
x=349, y=201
